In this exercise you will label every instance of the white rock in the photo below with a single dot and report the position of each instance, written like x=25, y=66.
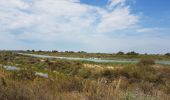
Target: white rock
x=41, y=74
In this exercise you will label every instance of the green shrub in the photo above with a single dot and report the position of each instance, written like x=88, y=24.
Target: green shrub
x=132, y=53
x=84, y=72
x=120, y=53
x=108, y=73
x=146, y=73
x=167, y=54
x=66, y=67
x=24, y=75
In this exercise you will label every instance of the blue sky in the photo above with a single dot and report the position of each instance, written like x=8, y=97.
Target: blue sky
x=155, y=12
x=88, y=25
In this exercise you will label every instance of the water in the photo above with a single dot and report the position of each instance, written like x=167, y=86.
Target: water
x=163, y=62
x=99, y=60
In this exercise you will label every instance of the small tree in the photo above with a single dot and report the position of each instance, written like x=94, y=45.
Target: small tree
x=132, y=53
x=28, y=51
x=82, y=52
x=120, y=53
x=55, y=51
x=33, y=50
x=167, y=54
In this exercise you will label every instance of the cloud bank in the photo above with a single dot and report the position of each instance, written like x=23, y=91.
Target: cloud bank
x=67, y=25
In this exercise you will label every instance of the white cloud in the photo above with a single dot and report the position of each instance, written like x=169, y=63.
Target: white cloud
x=57, y=23
x=60, y=16
x=119, y=19
x=113, y=3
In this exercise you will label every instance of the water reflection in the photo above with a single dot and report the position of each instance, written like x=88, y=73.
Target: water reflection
x=93, y=59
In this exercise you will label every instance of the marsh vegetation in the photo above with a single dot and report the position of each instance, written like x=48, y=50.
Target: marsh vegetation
x=81, y=80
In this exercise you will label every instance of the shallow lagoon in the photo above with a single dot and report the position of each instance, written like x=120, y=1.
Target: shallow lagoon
x=93, y=59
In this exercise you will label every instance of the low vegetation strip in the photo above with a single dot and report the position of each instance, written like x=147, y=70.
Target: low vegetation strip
x=96, y=60
x=119, y=55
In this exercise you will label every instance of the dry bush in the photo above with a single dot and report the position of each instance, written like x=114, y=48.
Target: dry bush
x=146, y=62
x=23, y=75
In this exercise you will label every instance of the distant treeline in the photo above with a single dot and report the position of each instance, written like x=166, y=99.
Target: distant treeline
x=56, y=51
x=118, y=53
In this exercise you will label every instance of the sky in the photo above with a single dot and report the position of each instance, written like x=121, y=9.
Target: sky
x=86, y=25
